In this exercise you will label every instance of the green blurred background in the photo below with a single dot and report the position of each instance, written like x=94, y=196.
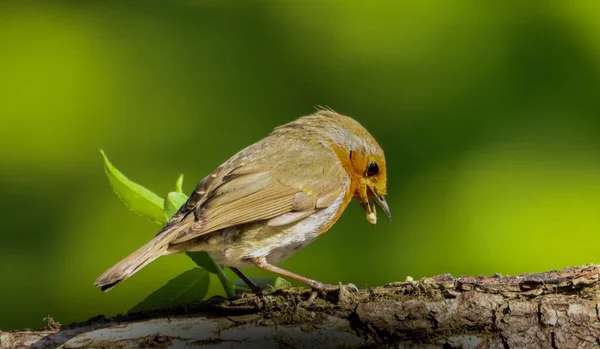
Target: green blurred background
x=488, y=113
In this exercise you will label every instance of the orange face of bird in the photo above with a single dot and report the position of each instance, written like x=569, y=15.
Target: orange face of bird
x=370, y=179
x=363, y=159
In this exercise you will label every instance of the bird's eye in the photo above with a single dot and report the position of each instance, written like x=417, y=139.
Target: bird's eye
x=373, y=169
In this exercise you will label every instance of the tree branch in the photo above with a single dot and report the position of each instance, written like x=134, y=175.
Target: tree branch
x=558, y=309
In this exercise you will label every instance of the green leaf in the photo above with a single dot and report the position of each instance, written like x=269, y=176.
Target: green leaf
x=203, y=260
x=190, y=286
x=269, y=282
x=179, y=184
x=173, y=202
x=137, y=198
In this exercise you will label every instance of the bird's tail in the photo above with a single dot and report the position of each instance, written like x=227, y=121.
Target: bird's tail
x=140, y=258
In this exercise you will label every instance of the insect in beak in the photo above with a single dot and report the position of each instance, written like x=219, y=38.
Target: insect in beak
x=369, y=206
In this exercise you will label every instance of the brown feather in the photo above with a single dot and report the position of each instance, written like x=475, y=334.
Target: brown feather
x=303, y=201
x=143, y=256
x=258, y=196
x=327, y=198
x=270, y=201
x=288, y=218
x=238, y=188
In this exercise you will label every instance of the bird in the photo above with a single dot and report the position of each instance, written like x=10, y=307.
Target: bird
x=272, y=199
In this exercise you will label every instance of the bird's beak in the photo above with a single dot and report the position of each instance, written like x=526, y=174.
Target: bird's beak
x=370, y=209
x=380, y=199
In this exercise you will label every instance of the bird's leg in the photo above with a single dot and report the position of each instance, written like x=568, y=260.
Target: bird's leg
x=262, y=263
x=254, y=287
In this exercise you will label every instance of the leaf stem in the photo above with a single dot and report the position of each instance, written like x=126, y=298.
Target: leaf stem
x=227, y=286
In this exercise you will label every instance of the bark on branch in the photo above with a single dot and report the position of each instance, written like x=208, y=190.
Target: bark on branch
x=558, y=309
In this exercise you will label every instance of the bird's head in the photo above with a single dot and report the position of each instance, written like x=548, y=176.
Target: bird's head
x=364, y=161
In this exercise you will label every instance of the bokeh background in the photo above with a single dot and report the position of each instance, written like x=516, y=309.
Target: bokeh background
x=488, y=113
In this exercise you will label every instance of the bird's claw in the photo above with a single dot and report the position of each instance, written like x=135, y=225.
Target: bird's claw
x=351, y=287
x=254, y=291
x=326, y=288
x=259, y=291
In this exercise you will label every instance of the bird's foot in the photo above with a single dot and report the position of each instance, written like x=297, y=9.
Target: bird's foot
x=256, y=291
x=338, y=293
x=327, y=288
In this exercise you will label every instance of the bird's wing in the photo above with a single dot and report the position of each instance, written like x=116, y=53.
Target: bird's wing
x=247, y=194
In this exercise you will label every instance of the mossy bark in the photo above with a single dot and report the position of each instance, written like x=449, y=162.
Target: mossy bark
x=558, y=309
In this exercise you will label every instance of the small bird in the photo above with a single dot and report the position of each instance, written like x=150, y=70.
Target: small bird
x=273, y=198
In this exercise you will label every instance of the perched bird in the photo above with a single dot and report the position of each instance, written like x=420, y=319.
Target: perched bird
x=273, y=198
